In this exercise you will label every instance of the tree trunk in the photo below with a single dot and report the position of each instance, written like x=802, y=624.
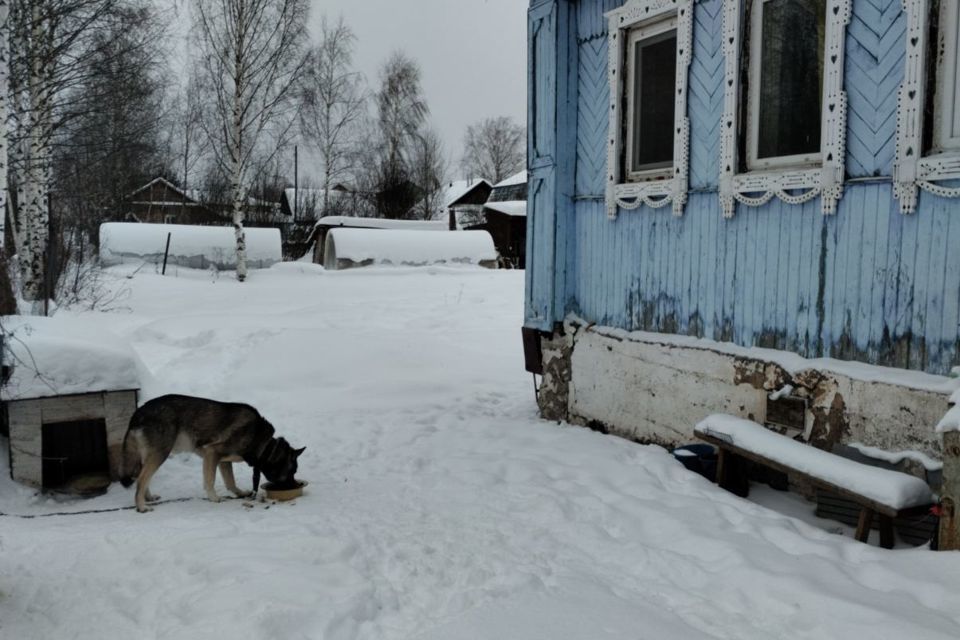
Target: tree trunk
x=949, y=538
x=35, y=217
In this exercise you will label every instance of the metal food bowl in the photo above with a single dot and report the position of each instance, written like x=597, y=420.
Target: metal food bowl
x=284, y=493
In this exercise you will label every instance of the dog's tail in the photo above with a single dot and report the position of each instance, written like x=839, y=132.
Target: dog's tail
x=129, y=464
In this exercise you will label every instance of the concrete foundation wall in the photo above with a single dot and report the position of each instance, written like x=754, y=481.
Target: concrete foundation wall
x=653, y=391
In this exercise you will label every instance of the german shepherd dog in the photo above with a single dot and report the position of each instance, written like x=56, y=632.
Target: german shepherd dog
x=221, y=433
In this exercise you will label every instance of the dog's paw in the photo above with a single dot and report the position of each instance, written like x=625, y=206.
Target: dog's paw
x=144, y=509
x=214, y=498
x=152, y=498
x=243, y=494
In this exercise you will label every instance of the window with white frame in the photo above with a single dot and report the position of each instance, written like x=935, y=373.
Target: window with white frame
x=786, y=83
x=928, y=133
x=169, y=219
x=649, y=44
x=946, y=127
x=784, y=124
x=651, y=76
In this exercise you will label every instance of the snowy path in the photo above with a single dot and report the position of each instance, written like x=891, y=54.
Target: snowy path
x=439, y=506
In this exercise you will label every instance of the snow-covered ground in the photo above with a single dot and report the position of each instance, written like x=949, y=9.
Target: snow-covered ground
x=439, y=506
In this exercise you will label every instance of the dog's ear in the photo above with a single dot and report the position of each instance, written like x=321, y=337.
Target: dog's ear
x=299, y=451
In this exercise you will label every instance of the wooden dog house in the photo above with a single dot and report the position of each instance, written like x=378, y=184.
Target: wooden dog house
x=68, y=403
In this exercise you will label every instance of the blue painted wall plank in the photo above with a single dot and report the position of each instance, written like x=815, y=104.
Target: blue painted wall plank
x=868, y=282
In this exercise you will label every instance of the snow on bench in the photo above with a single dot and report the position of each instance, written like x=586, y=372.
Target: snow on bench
x=879, y=492
x=893, y=490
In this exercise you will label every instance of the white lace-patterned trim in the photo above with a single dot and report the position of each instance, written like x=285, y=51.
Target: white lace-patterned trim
x=655, y=193
x=758, y=188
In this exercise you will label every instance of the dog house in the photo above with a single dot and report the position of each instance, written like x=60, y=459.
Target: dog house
x=68, y=402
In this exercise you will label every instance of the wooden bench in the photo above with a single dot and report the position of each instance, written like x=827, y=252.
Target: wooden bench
x=881, y=492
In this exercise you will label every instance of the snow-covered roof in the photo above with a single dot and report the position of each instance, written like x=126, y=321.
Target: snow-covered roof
x=517, y=208
x=382, y=223
x=891, y=488
x=52, y=357
x=408, y=248
x=458, y=189
x=217, y=244
x=518, y=178
x=168, y=185
x=311, y=194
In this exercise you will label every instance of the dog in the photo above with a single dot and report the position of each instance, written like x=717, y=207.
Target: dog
x=220, y=432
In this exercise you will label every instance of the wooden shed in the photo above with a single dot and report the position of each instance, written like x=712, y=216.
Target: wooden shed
x=67, y=404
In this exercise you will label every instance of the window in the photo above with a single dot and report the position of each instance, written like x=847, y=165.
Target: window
x=786, y=82
x=784, y=136
x=928, y=116
x=946, y=129
x=649, y=43
x=652, y=74
x=169, y=219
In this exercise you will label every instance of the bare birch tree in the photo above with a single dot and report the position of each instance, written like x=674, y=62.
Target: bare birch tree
x=253, y=56
x=51, y=45
x=7, y=300
x=428, y=169
x=401, y=113
x=494, y=149
x=334, y=101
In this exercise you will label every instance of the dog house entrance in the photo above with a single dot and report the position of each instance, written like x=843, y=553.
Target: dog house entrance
x=75, y=456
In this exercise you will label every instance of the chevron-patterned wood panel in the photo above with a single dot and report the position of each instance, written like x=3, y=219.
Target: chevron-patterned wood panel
x=874, y=70
x=705, y=94
x=592, y=118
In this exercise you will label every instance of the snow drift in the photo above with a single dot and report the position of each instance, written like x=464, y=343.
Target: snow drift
x=190, y=246
x=346, y=248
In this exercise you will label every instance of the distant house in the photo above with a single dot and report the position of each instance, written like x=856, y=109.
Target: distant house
x=505, y=215
x=162, y=202
x=463, y=202
x=307, y=204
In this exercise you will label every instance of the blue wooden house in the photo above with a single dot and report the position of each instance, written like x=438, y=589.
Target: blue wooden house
x=728, y=197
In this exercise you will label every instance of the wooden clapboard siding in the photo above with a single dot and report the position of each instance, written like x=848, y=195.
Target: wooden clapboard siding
x=867, y=283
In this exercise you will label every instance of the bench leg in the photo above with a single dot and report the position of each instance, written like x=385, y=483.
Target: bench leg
x=886, y=532
x=721, y=467
x=864, y=524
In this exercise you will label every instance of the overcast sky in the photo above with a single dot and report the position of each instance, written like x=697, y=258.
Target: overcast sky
x=472, y=53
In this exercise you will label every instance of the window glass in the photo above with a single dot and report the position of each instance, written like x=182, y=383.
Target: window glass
x=791, y=77
x=654, y=81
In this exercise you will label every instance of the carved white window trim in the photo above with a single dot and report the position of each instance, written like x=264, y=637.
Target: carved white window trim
x=912, y=171
x=654, y=193
x=793, y=186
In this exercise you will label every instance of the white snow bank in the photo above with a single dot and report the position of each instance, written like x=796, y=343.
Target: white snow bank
x=896, y=457
x=951, y=421
x=791, y=362
x=891, y=488
x=408, y=248
x=190, y=246
x=516, y=208
x=382, y=223
x=51, y=357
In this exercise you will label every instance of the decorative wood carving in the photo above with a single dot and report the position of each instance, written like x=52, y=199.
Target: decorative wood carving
x=655, y=193
x=794, y=186
x=911, y=171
